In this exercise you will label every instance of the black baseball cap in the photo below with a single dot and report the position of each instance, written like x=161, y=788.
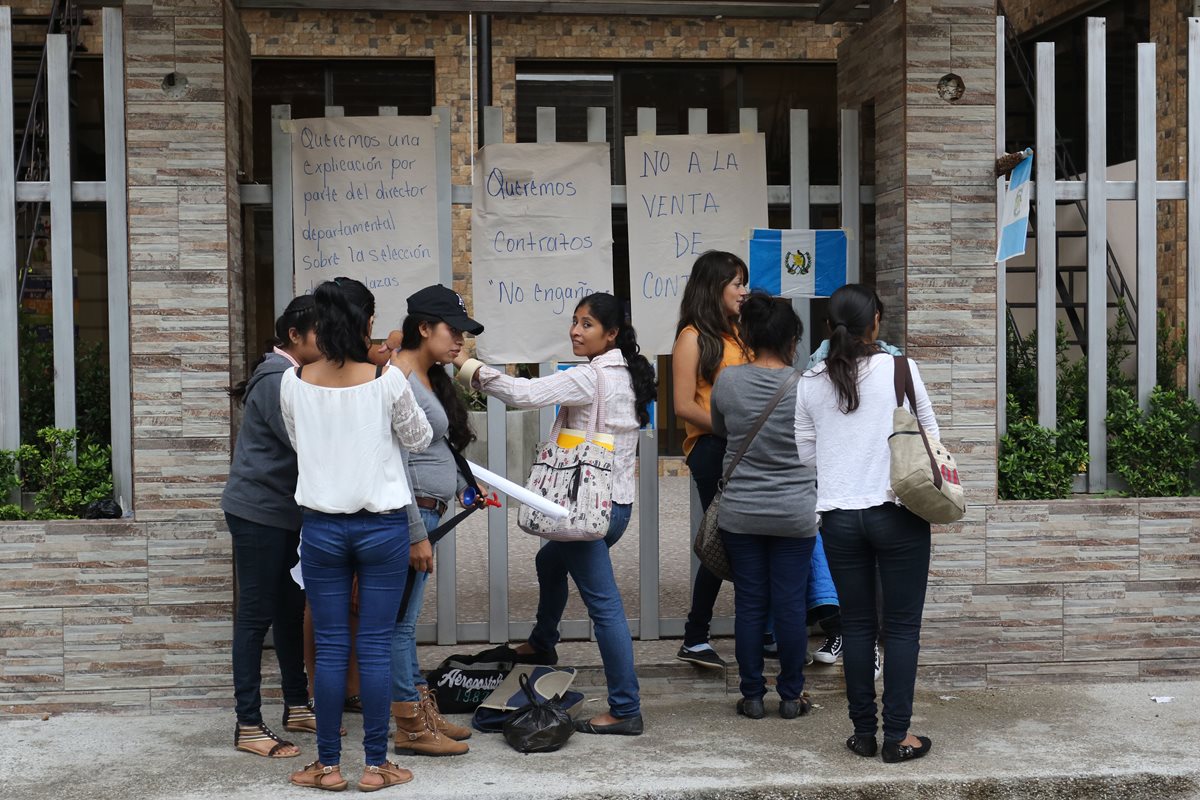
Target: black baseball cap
x=445, y=304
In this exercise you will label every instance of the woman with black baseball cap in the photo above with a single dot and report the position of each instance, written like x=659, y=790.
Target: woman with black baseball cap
x=431, y=337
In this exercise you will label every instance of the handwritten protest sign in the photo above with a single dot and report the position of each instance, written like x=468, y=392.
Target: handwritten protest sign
x=541, y=239
x=686, y=195
x=364, y=205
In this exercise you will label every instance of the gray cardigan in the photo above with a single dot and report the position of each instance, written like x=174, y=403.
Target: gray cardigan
x=770, y=493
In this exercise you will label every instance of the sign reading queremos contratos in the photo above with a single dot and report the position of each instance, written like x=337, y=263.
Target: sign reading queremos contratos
x=364, y=205
x=541, y=240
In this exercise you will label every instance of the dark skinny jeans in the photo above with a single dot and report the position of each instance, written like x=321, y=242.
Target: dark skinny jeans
x=894, y=541
x=705, y=463
x=266, y=597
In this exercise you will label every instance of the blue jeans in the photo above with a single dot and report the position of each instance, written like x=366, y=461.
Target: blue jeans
x=406, y=672
x=335, y=547
x=892, y=542
x=590, y=567
x=770, y=574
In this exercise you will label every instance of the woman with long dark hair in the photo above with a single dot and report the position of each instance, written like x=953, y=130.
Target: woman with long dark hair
x=349, y=421
x=706, y=342
x=601, y=334
x=260, y=508
x=768, y=521
x=431, y=337
x=843, y=420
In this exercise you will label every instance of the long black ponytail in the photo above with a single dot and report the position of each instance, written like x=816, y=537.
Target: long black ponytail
x=300, y=315
x=610, y=313
x=852, y=310
x=344, y=310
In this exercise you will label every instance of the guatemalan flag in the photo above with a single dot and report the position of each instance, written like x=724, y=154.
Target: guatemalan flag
x=797, y=263
x=1014, y=214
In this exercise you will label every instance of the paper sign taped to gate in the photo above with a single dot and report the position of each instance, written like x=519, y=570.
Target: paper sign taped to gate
x=365, y=206
x=686, y=195
x=541, y=240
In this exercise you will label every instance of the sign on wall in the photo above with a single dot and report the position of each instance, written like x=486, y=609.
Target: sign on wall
x=364, y=205
x=686, y=195
x=541, y=240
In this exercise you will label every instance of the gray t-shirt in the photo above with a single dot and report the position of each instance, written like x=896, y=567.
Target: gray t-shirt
x=770, y=493
x=432, y=472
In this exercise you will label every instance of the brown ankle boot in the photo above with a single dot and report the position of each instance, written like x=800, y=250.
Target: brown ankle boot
x=416, y=736
x=442, y=725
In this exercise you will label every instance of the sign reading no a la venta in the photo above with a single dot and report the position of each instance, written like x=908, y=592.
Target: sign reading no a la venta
x=686, y=195
x=364, y=205
x=541, y=240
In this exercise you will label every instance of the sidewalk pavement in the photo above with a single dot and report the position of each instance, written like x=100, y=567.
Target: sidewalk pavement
x=1062, y=742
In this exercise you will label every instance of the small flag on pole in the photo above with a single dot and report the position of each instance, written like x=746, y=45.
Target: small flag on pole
x=1014, y=213
x=797, y=263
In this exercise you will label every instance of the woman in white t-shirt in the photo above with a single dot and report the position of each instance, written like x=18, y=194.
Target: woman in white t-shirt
x=349, y=420
x=843, y=421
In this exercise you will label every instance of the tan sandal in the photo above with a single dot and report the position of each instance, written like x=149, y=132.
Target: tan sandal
x=302, y=719
x=245, y=737
x=392, y=775
x=318, y=776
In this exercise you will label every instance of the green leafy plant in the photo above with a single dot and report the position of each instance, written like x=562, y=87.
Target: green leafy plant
x=1171, y=352
x=474, y=399
x=1037, y=463
x=65, y=476
x=1155, y=453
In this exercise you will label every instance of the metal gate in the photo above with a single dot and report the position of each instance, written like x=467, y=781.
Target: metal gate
x=799, y=195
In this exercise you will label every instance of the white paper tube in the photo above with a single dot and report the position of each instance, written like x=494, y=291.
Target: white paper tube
x=518, y=492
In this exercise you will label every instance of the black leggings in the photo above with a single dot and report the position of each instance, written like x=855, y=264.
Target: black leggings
x=267, y=598
x=705, y=462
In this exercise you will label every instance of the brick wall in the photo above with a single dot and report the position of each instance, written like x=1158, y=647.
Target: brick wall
x=871, y=79
x=1168, y=29
x=1029, y=15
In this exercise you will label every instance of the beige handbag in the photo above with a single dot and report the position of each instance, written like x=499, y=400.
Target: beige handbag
x=578, y=478
x=924, y=475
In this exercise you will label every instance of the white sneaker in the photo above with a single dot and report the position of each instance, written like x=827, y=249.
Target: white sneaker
x=829, y=652
x=878, y=665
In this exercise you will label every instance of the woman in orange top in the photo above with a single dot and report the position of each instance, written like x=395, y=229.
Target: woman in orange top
x=706, y=341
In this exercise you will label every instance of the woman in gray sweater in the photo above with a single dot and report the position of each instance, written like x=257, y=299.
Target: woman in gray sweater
x=767, y=519
x=264, y=521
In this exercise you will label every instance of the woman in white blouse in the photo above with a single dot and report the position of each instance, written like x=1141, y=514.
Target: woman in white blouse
x=600, y=333
x=348, y=421
x=844, y=411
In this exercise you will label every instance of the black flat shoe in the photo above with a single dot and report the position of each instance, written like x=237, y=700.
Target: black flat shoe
x=790, y=709
x=894, y=751
x=863, y=744
x=626, y=726
x=751, y=707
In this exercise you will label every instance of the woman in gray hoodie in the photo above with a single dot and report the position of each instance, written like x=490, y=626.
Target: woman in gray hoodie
x=260, y=508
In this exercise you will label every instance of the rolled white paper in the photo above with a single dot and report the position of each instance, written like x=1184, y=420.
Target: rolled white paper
x=518, y=492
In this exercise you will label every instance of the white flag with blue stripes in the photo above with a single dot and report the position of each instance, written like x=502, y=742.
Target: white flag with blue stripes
x=797, y=263
x=1014, y=213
